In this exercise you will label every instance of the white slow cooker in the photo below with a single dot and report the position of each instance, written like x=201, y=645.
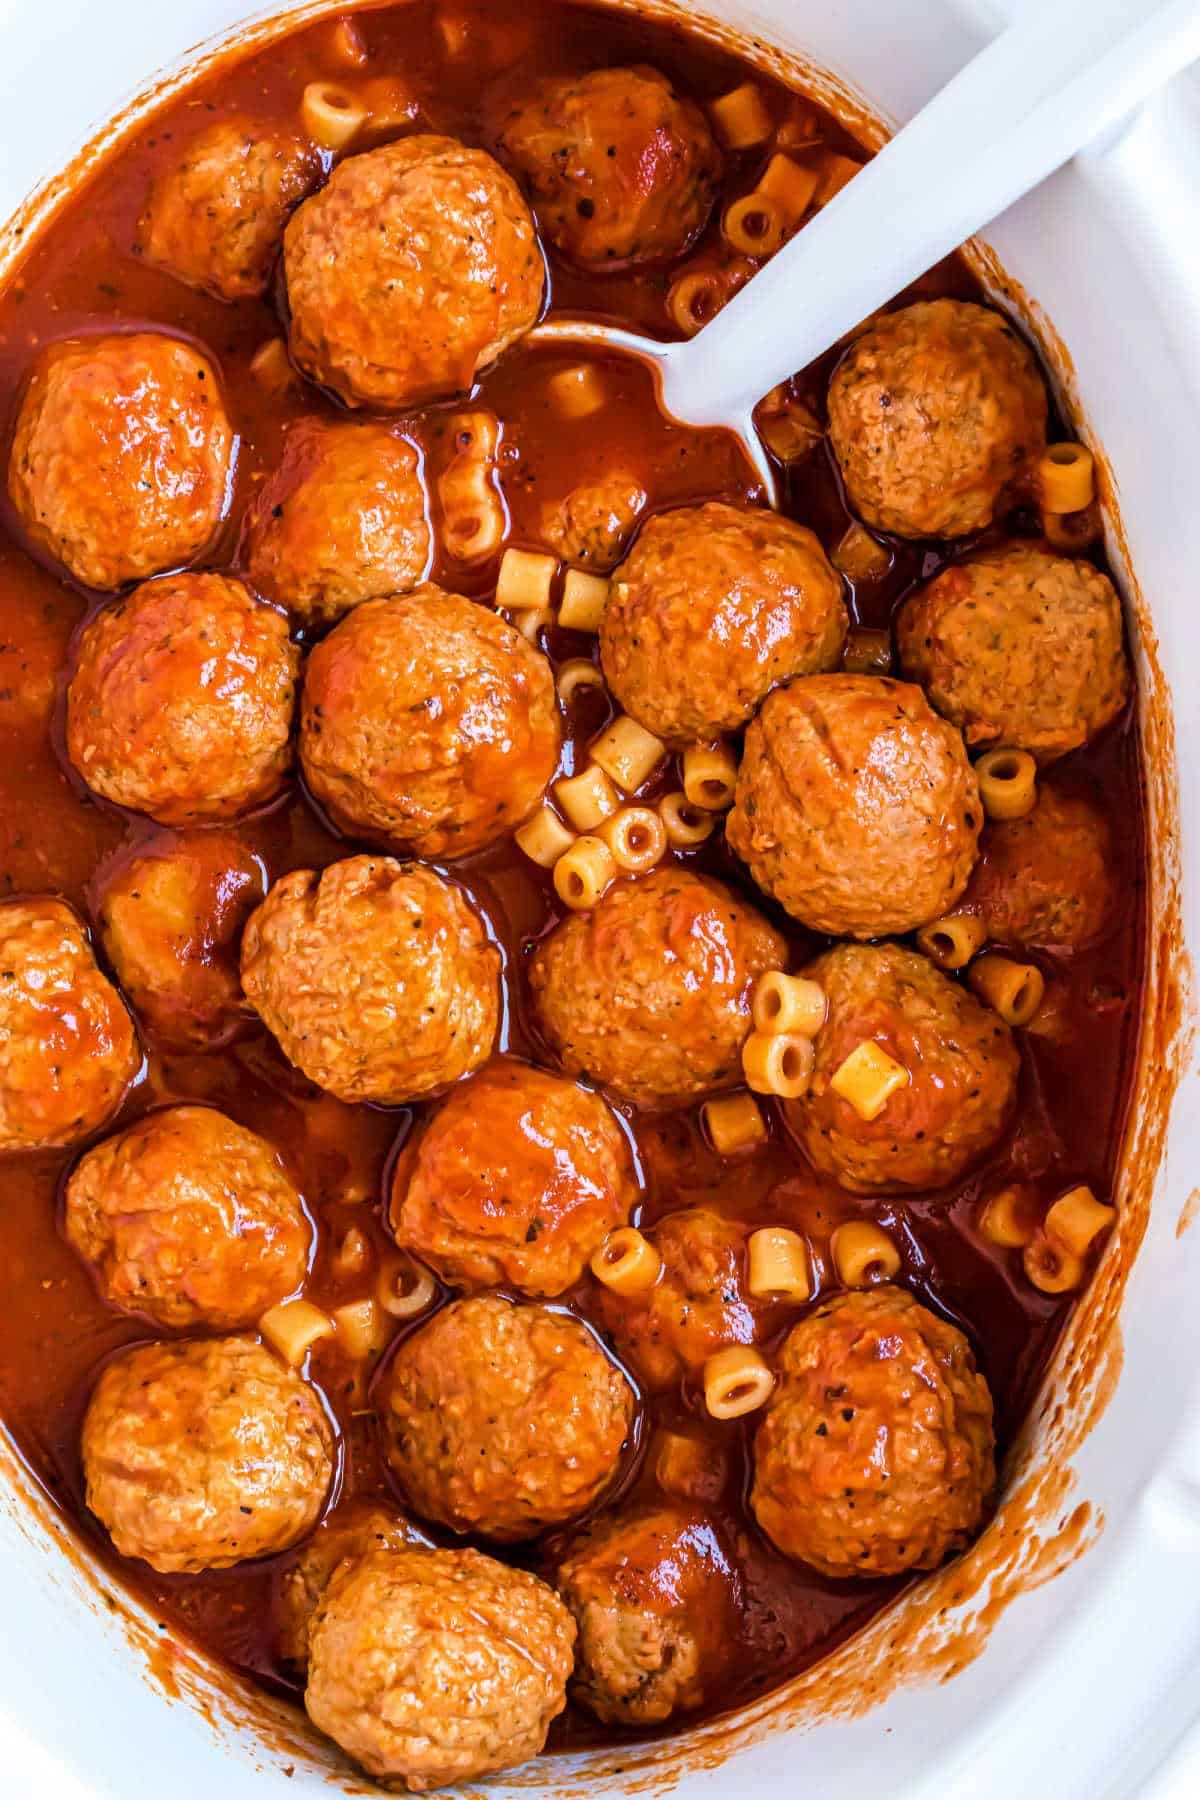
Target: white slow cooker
x=1072, y=1631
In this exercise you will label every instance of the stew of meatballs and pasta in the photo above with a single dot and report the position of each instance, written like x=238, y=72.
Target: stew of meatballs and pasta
x=564, y=1034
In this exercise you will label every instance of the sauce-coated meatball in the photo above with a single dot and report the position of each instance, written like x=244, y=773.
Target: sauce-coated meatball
x=714, y=606
x=413, y=268
x=649, y=994
x=188, y=1218
x=936, y=412
x=622, y=168
x=170, y=920
x=375, y=977
x=1019, y=647
x=503, y=1418
x=655, y=1598
x=342, y=519
x=876, y=1454
x=960, y=1059
x=182, y=698
x=1049, y=880
x=856, y=806
x=121, y=456
x=515, y=1181
x=67, y=1044
x=591, y=525
x=428, y=723
x=203, y=1454
x=215, y=218
x=350, y=1532
x=437, y=1666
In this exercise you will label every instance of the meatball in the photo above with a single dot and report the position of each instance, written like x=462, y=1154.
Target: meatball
x=654, y=1595
x=437, y=1666
x=122, y=456
x=428, y=723
x=202, y=1454
x=375, y=977
x=936, y=413
x=959, y=1056
x=502, y=1419
x=182, y=698
x=649, y=994
x=67, y=1045
x=188, y=1218
x=714, y=606
x=342, y=519
x=591, y=525
x=1049, y=880
x=1019, y=647
x=170, y=920
x=876, y=1454
x=517, y=1180
x=414, y=267
x=621, y=167
x=214, y=219
x=856, y=807
x=352, y=1532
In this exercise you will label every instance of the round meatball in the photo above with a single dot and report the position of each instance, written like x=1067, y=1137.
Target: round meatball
x=856, y=807
x=342, y=519
x=376, y=978
x=503, y=1419
x=649, y=993
x=428, y=723
x=621, y=167
x=961, y=1062
x=936, y=413
x=1019, y=647
x=876, y=1454
x=1049, y=881
x=437, y=1666
x=170, y=919
x=188, y=1218
x=515, y=1181
x=655, y=1597
x=414, y=267
x=202, y=1454
x=182, y=698
x=67, y=1045
x=591, y=525
x=350, y=1532
x=712, y=609
x=214, y=219
x=122, y=456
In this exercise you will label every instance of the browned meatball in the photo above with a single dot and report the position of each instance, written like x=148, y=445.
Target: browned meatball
x=960, y=1058
x=376, y=978
x=876, y=1454
x=67, y=1044
x=437, y=1666
x=591, y=525
x=649, y=994
x=1019, y=647
x=503, y=1418
x=170, y=920
x=1049, y=880
x=214, y=219
x=856, y=806
x=203, y=1454
x=121, y=456
x=189, y=1218
x=936, y=412
x=414, y=267
x=342, y=519
x=713, y=607
x=428, y=723
x=350, y=1532
x=622, y=168
x=182, y=698
x=517, y=1179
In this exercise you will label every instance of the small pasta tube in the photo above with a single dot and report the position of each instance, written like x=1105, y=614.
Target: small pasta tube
x=1051, y=1267
x=1007, y=1217
x=862, y=1254
x=778, y=1265
x=473, y=519
x=1072, y=533
x=583, y=872
x=693, y=299
x=868, y=1078
x=867, y=652
x=1066, y=476
x=734, y=1124
x=736, y=1381
x=686, y=825
x=346, y=44
x=1007, y=783
x=531, y=622
x=637, y=838
x=584, y=598
x=1012, y=989
x=688, y=1467
x=390, y=103
x=710, y=776
x=778, y=1063
x=544, y=837
x=754, y=225
x=802, y=127
x=272, y=368
x=836, y=171
x=405, y=1288
x=293, y=1327
x=859, y=556
x=525, y=579
x=790, y=185
x=787, y=427
x=578, y=392
x=788, y=1003
x=587, y=798
x=361, y=1329
x=741, y=118
x=575, y=676
x=628, y=752
x=952, y=942
x=353, y=1253
x=330, y=114
x=1077, y=1219
x=626, y=1262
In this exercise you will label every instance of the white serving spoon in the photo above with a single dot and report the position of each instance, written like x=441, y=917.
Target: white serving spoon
x=1046, y=87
